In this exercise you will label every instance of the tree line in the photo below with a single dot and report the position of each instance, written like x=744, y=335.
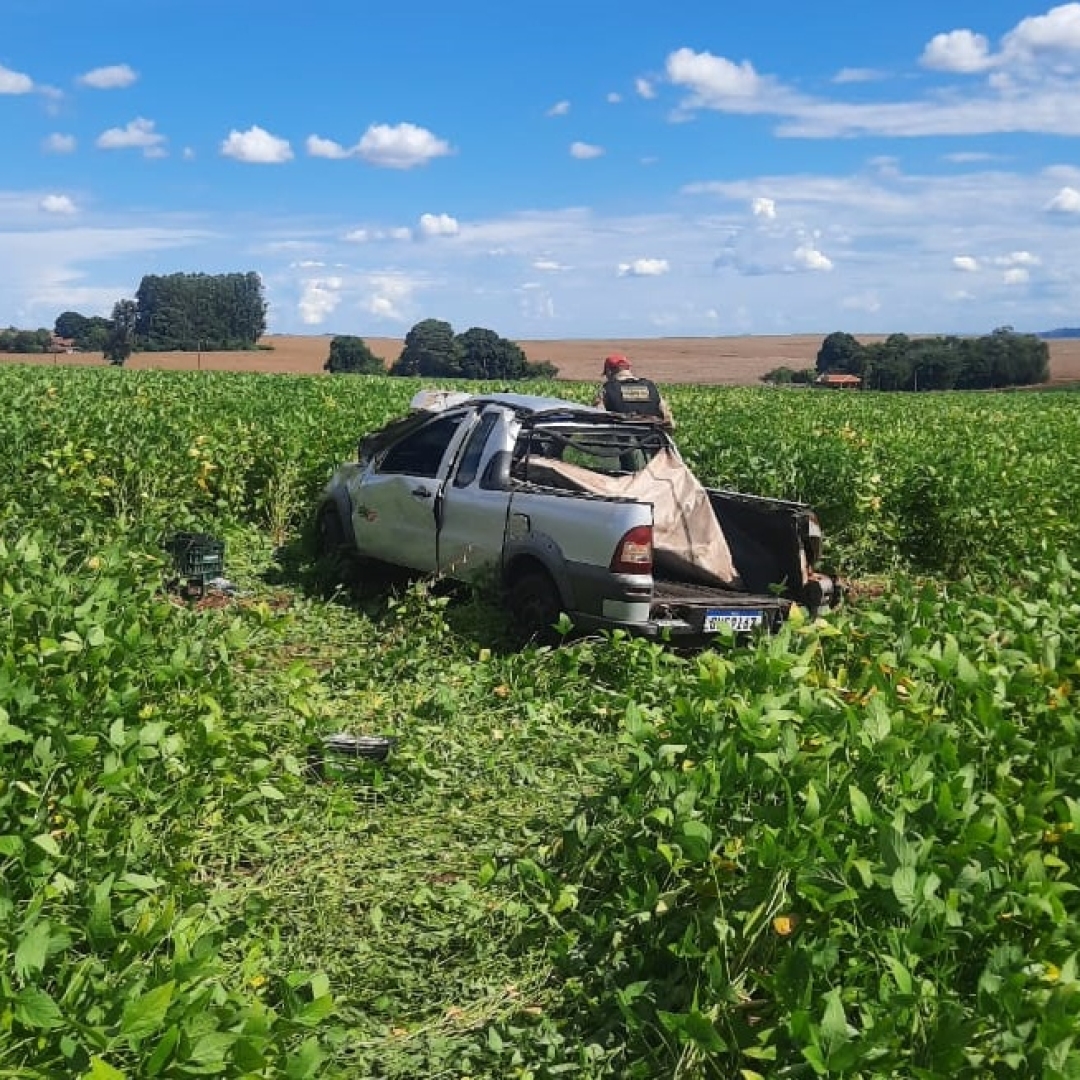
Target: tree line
x=172, y=312
x=1000, y=359
x=432, y=349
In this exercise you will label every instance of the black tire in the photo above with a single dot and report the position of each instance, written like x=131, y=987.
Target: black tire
x=334, y=550
x=535, y=608
x=330, y=538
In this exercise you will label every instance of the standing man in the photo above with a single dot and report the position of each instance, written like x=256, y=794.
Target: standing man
x=624, y=392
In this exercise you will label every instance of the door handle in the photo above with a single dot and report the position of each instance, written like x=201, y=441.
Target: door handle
x=421, y=492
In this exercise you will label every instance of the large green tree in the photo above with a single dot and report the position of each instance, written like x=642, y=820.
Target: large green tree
x=486, y=355
x=841, y=352
x=351, y=355
x=71, y=325
x=200, y=311
x=430, y=349
x=1003, y=358
x=120, y=343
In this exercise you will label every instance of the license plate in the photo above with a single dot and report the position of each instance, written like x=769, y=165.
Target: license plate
x=738, y=619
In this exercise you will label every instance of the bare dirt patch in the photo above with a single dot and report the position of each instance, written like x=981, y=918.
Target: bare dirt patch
x=723, y=361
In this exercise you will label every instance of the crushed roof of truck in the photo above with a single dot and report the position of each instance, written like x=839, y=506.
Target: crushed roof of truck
x=528, y=407
x=433, y=401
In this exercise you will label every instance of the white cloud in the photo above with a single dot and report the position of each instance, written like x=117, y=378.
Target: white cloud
x=868, y=302
x=583, y=151
x=389, y=296
x=139, y=134
x=809, y=258
x=1066, y=201
x=644, y=88
x=959, y=51
x=762, y=207
x=965, y=263
x=1016, y=276
x=1017, y=258
x=402, y=146
x=365, y=235
x=560, y=108
x=614, y=98
x=256, y=147
x=857, y=75
x=438, y=225
x=1030, y=88
x=57, y=204
x=714, y=81
x=318, y=299
x=644, y=268
x=58, y=144
x=325, y=148
x=14, y=82
x=1053, y=36
x=551, y=266
x=114, y=77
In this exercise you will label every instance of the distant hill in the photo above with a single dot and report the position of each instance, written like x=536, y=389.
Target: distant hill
x=1063, y=332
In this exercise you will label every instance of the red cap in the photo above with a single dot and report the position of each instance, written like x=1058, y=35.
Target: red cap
x=615, y=362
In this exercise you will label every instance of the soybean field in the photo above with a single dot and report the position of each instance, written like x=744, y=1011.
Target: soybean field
x=850, y=849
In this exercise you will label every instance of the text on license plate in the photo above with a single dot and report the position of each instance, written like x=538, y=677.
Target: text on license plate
x=739, y=619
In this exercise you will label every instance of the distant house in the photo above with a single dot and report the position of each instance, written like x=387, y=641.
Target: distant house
x=61, y=344
x=838, y=381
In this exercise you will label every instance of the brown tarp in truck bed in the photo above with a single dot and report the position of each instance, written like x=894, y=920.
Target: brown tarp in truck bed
x=688, y=542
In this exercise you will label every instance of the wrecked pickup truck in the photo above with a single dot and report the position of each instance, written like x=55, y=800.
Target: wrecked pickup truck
x=574, y=510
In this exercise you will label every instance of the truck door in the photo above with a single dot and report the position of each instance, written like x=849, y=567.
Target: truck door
x=394, y=508
x=474, y=516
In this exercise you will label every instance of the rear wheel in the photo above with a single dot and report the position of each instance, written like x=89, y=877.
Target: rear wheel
x=534, y=608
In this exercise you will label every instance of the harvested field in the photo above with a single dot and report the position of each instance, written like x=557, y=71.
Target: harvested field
x=724, y=361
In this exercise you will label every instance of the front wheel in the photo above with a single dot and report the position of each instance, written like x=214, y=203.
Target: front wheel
x=330, y=538
x=535, y=608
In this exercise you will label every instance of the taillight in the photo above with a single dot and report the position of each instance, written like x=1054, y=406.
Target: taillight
x=633, y=555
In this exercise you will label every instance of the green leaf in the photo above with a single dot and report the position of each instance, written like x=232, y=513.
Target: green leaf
x=834, y=1025
x=210, y=1049
x=900, y=974
x=47, y=844
x=36, y=1009
x=966, y=671
x=314, y=1012
x=32, y=951
x=102, y=1070
x=9, y=733
x=306, y=1062
x=904, y=882
x=11, y=845
x=162, y=1052
x=146, y=1014
x=877, y=724
x=860, y=806
x=695, y=839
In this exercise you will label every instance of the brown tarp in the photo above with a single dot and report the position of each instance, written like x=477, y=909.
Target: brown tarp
x=688, y=543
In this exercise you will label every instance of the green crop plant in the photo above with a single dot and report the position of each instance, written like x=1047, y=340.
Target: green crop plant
x=847, y=850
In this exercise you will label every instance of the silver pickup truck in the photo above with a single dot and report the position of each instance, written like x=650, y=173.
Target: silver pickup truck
x=572, y=510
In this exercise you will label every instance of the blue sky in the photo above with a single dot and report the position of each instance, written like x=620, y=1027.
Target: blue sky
x=571, y=169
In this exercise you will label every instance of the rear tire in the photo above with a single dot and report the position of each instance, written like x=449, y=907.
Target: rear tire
x=535, y=608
